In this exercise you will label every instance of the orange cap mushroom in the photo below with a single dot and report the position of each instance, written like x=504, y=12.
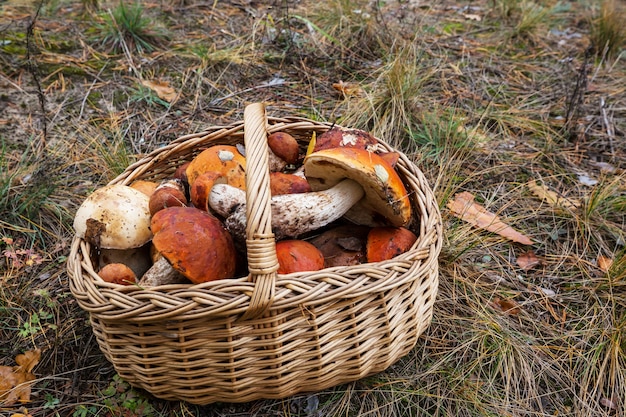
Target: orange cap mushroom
x=224, y=159
x=195, y=243
x=298, y=256
x=117, y=273
x=385, y=243
x=386, y=201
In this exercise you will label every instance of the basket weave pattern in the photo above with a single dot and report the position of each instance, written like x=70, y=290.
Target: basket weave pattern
x=265, y=335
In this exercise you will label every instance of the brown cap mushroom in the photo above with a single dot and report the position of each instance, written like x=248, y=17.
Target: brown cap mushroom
x=169, y=193
x=298, y=256
x=195, y=243
x=342, y=245
x=386, y=201
x=385, y=243
x=284, y=146
x=116, y=220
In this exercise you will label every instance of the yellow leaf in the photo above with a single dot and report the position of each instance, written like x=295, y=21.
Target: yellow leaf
x=348, y=89
x=464, y=207
x=162, y=89
x=552, y=197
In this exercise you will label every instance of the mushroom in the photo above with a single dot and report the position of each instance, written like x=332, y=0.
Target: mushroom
x=169, y=193
x=146, y=187
x=115, y=220
x=339, y=137
x=195, y=243
x=298, y=256
x=118, y=274
x=385, y=243
x=351, y=182
x=281, y=183
x=342, y=245
x=283, y=150
x=224, y=159
x=386, y=200
x=201, y=188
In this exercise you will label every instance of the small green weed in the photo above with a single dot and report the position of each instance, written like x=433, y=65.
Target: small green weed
x=127, y=29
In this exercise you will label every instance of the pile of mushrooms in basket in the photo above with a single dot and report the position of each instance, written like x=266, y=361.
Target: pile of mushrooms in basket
x=339, y=203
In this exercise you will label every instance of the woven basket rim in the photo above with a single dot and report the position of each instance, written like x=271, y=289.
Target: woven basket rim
x=232, y=296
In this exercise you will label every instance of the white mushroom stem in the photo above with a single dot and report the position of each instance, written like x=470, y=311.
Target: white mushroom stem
x=292, y=214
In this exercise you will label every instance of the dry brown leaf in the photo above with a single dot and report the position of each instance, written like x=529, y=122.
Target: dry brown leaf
x=528, y=260
x=348, y=89
x=163, y=90
x=604, y=263
x=507, y=306
x=14, y=380
x=552, y=197
x=464, y=207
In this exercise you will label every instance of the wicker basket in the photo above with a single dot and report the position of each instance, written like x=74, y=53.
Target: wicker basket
x=264, y=336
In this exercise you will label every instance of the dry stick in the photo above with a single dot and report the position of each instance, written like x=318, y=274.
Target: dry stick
x=607, y=125
x=32, y=68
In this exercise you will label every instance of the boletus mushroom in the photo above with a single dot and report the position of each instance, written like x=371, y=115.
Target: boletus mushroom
x=115, y=219
x=385, y=243
x=354, y=183
x=195, y=243
x=298, y=256
x=224, y=159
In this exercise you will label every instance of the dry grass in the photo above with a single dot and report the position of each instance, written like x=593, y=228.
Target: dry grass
x=477, y=95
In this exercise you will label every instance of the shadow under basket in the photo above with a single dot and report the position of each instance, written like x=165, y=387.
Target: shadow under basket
x=265, y=335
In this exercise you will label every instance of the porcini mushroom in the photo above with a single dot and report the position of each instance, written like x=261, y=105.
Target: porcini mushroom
x=115, y=219
x=117, y=274
x=298, y=256
x=282, y=183
x=386, y=201
x=224, y=159
x=195, y=243
x=284, y=147
x=385, y=243
x=169, y=193
x=339, y=137
x=350, y=181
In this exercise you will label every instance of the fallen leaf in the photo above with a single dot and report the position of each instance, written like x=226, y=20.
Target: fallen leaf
x=14, y=380
x=552, y=197
x=464, y=207
x=528, y=260
x=604, y=263
x=163, y=90
x=506, y=305
x=475, y=17
x=348, y=89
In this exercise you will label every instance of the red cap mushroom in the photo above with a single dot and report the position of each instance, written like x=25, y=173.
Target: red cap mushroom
x=118, y=274
x=169, y=193
x=195, y=243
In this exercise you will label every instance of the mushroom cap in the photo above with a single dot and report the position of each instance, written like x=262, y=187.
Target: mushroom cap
x=298, y=256
x=281, y=183
x=340, y=136
x=195, y=243
x=385, y=202
x=114, y=217
x=224, y=159
x=342, y=245
x=118, y=274
x=284, y=146
x=385, y=243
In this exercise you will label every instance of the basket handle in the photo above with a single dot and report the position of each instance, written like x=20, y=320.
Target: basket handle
x=260, y=241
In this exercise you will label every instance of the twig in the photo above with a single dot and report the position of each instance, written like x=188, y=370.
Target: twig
x=607, y=125
x=32, y=68
x=272, y=83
